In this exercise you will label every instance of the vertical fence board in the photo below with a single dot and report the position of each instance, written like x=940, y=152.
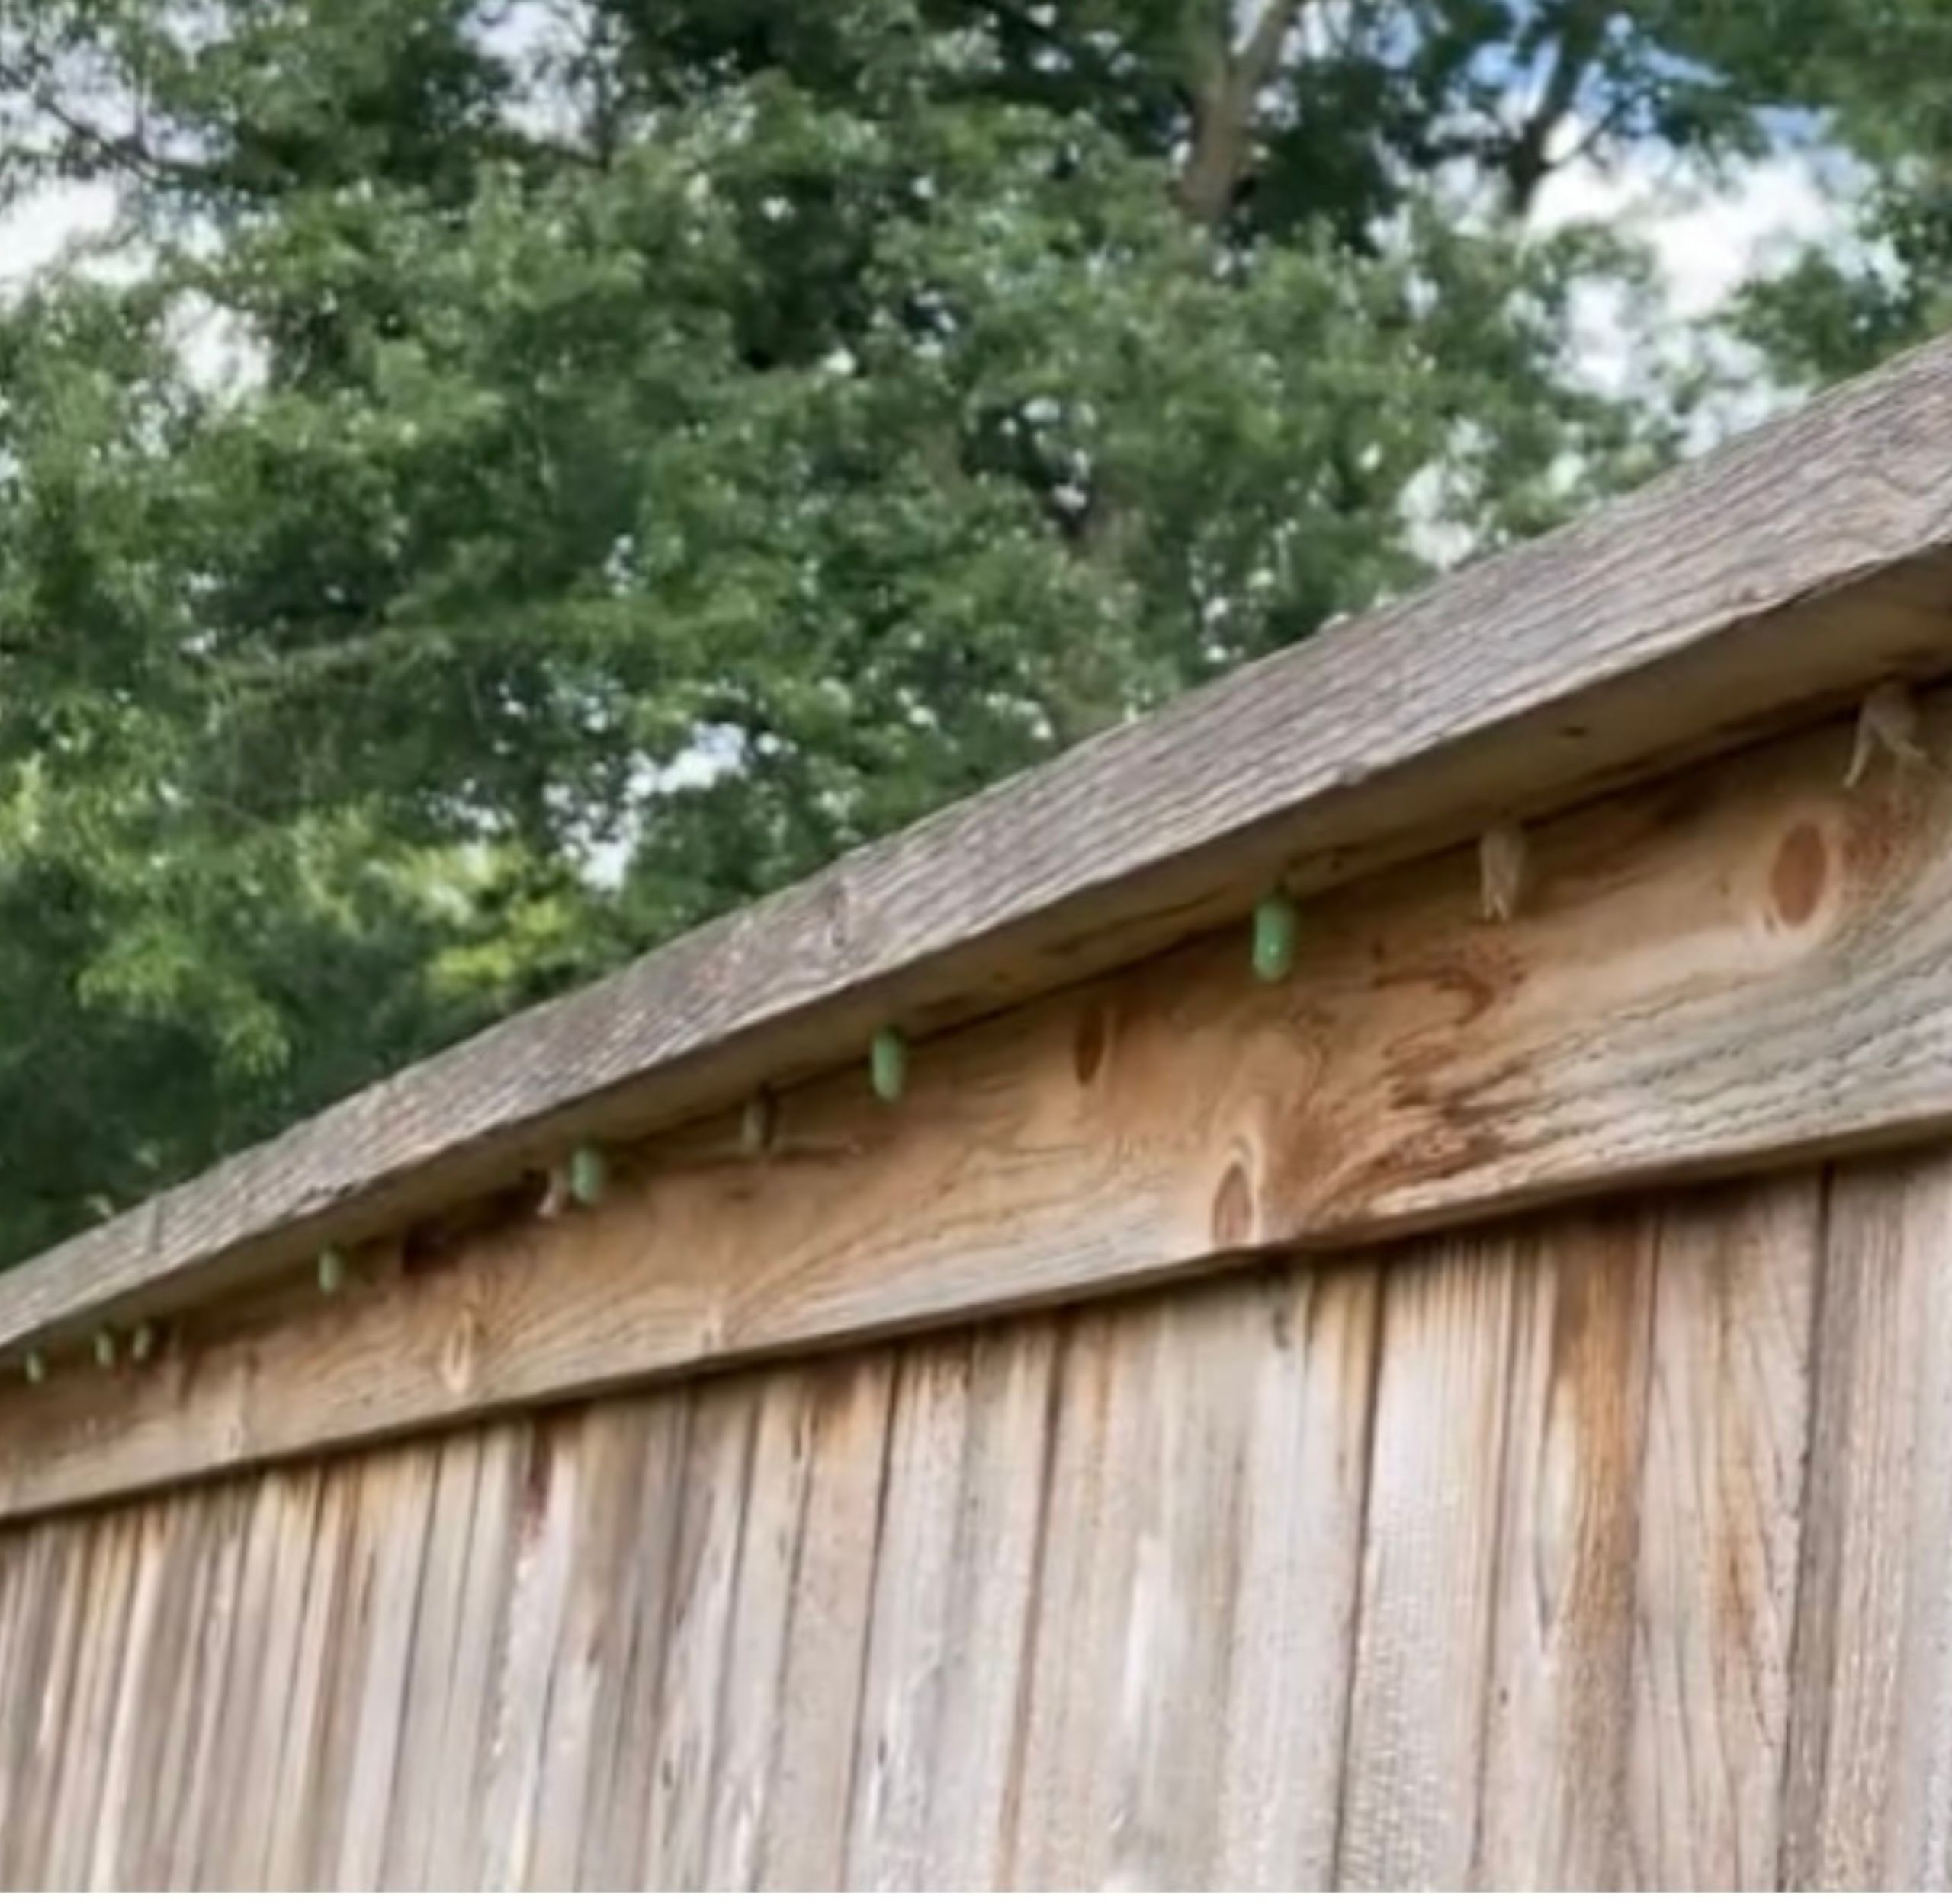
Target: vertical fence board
x=616, y=1497
x=127, y=1746
x=87, y=1722
x=718, y=1464
x=630, y=1631
x=44, y=1693
x=436, y=1660
x=1127, y=1619
x=1301, y=1537
x=935, y=1751
x=1173, y=1667
x=298, y=1736
x=824, y=1654
x=179, y=1530
x=747, y=1692
x=456, y=1845
x=1411, y=1781
x=1727, y=1432
x=194, y=1807
x=35, y=1554
x=235, y=1715
x=1869, y=1798
x=1553, y=1807
x=262, y=1708
x=538, y=1589
x=400, y=1511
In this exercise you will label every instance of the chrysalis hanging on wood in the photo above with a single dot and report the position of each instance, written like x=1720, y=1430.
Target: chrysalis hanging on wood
x=142, y=1343
x=36, y=1367
x=1277, y=921
x=1888, y=723
x=1501, y=869
x=758, y=1122
x=888, y=1065
x=331, y=1270
x=105, y=1348
x=589, y=1175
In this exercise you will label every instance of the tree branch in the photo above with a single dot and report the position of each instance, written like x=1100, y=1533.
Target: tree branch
x=1581, y=33
x=1223, y=102
x=111, y=151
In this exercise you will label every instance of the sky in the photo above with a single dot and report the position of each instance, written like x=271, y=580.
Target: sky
x=32, y=235
x=1708, y=235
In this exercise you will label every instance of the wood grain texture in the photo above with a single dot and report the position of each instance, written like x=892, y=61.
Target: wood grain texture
x=1727, y=1435
x=456, y=1830
x=610, y=1654
x=1715, y=598
x=1589, y=1452
x=936, y=1789
x=1298, y=1553
x=1552, y=1804
x=1419, y=1066
x=1475, y=1560
x=1422, y=1683
x=1869, y=1801
x=718, y=1471
x=1189, y=1672
x=1135, y=1599
x=837, y=1554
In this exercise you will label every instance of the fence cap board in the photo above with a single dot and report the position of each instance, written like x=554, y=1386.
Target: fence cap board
x=1786, y=572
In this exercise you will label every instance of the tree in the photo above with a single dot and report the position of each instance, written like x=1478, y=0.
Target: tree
x=1872, y=81
x=526, y=476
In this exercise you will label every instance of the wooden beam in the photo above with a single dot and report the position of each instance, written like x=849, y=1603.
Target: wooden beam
x=1801, y=563
x=1745, y=964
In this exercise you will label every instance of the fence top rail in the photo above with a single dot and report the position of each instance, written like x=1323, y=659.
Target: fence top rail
x=1783, y=574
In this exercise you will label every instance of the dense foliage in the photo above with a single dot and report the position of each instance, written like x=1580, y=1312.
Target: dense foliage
x=523, y=476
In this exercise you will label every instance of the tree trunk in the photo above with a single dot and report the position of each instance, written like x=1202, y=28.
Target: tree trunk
x=1224, y=99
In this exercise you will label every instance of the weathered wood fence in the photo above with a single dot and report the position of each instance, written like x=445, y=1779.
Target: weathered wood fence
x=1474, y=1410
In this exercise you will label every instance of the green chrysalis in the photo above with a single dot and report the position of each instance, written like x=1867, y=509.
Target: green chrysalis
x=37, y=1366
x=142, y=1342
x=887, y=1064
x=589, y=1175
x=105, y=1348
x=332, y=1270
x=1275, y=920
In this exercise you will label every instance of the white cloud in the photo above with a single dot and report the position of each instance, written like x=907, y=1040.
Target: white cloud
x=1708, y=232
x=1709, y=235
x=34, y=231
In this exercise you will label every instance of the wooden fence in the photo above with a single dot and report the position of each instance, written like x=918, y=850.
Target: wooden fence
x=1472, y=1409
